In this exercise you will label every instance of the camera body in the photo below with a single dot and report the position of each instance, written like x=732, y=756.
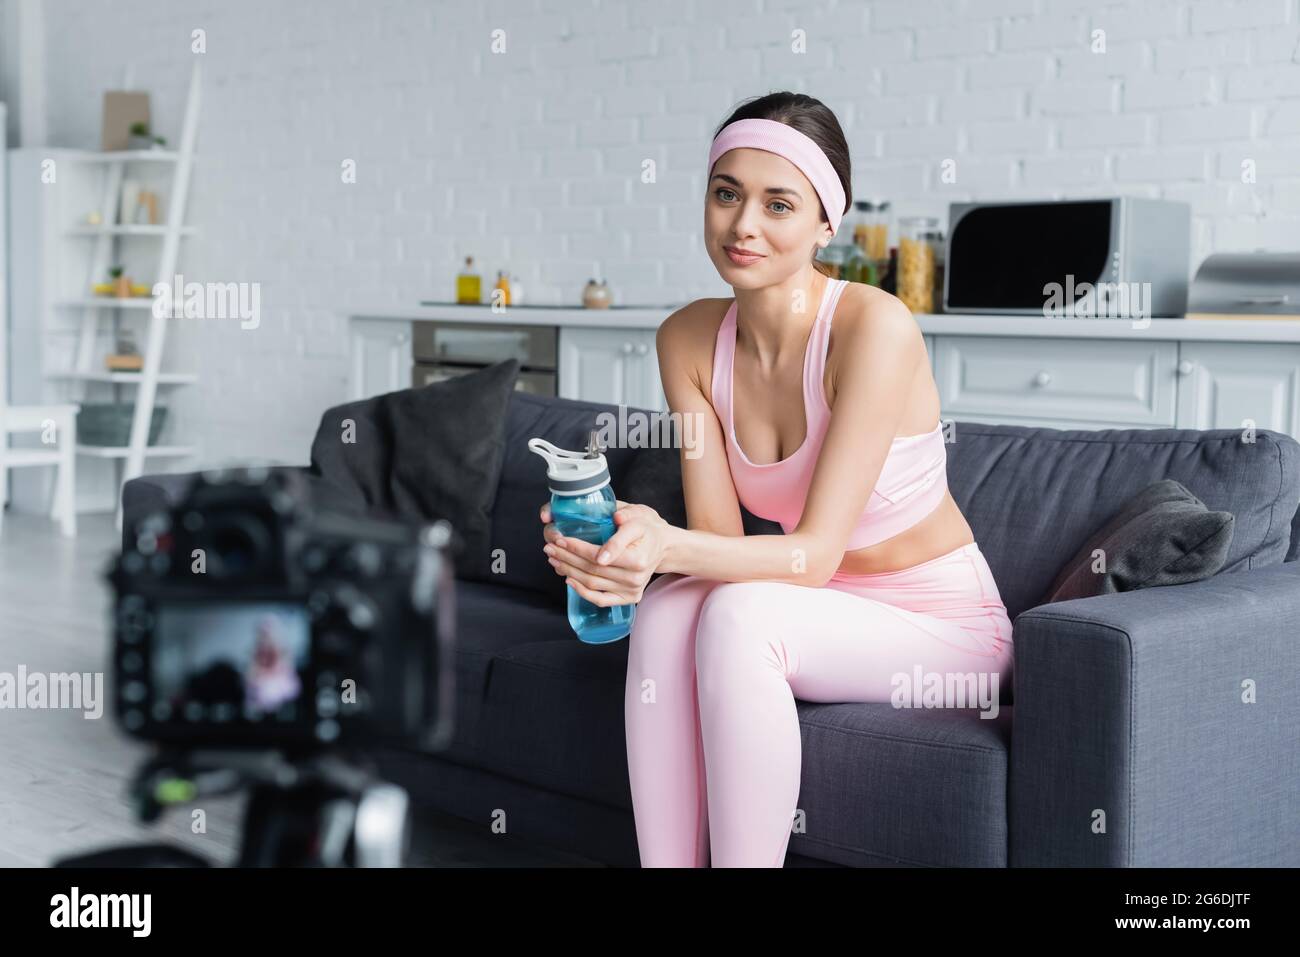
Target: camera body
x=244, y=618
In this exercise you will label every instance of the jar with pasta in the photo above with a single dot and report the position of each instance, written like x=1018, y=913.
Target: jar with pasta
x=871, y=231
x=917, y=257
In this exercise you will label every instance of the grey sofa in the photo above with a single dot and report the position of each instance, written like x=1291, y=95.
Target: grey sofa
x=1126, y=739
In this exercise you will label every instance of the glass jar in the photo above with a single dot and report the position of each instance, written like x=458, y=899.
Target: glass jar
x=872, y=228
x=857, y=267
x=596, y=295
x=918, y=252
x=938, y=241
x=833, y=257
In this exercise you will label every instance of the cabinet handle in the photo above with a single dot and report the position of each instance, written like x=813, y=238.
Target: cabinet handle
x=1186, y=367
x=627, y=348
x=642, y=348
x=1042, y=378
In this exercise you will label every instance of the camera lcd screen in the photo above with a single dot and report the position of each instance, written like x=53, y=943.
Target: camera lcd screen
x=230, y=662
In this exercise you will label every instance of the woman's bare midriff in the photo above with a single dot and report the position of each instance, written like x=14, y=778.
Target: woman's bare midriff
x=938, y=533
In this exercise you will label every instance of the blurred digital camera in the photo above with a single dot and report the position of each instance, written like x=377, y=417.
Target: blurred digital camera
x=244, y=618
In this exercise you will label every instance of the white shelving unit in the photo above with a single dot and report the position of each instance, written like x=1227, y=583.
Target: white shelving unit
x=61, y=330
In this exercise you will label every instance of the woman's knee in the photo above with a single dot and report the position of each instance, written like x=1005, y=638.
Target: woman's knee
x=732, y=627
x=669, y=607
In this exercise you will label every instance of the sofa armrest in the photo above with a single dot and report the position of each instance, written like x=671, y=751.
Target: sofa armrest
x=1132, y=704
x=151, y=493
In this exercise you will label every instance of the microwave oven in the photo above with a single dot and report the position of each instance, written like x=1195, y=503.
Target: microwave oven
x=1123, y=257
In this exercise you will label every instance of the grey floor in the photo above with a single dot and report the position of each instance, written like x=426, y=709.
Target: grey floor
x=63, y=778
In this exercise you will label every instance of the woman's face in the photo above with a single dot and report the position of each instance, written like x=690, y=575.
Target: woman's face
x=763, y=204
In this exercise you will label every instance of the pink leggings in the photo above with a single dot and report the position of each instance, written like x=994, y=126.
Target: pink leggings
x=714, y=669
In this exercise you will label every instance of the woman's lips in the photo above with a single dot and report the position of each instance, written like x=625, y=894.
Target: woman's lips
x=740, y=259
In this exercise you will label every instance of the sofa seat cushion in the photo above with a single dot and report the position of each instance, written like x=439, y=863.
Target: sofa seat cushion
x=880, y=785
x=491, y=619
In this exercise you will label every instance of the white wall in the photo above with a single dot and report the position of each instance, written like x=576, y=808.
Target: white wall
x=532, y=160
x=22, y=70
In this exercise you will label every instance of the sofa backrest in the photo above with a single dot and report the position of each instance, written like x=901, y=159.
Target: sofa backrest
x=1032, y=496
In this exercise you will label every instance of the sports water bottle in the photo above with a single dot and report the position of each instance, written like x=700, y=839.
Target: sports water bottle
x=582, y=507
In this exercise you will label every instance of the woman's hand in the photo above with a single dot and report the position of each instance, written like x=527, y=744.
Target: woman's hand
x=634, y=552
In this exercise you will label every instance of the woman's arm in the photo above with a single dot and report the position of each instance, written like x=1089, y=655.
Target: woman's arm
x=714, y=544
x=683, y=343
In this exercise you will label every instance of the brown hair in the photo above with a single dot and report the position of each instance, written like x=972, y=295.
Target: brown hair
x=814, y=119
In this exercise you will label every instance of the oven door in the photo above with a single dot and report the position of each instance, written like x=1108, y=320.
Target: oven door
x=485, y=344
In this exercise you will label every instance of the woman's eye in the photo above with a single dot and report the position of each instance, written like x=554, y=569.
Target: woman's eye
x=727, y=195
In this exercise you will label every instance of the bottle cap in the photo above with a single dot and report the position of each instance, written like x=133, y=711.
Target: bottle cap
x=573, y=473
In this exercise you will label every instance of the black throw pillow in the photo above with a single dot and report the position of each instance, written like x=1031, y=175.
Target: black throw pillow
x=654, y=478
x=1164, y=536
x=424, y=454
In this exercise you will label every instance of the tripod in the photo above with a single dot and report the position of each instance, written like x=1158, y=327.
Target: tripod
x=317, y=811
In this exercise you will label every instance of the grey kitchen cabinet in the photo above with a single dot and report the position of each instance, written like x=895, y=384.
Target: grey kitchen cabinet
x=614, y=366
x=1234, y=385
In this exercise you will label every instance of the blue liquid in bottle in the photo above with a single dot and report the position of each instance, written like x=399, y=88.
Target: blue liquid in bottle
x=582, y=507
x=590, y=518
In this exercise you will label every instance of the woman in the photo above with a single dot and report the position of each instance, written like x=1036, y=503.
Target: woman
x=270, y=679
x=818, y=410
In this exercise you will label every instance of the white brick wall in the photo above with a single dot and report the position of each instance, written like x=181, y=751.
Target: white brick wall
x=531, y=160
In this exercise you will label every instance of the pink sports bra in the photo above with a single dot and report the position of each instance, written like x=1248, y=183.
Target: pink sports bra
x=912, y=481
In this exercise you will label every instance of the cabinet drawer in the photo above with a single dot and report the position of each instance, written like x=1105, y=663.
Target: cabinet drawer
x=1076, y=380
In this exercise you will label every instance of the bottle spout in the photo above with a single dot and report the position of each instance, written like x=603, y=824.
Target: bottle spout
x=570, y=471
x=555, y=456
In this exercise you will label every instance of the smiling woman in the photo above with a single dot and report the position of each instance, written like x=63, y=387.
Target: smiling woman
x=819, y=411
x=822, y=162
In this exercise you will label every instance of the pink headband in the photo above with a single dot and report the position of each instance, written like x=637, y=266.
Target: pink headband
x=799, y=149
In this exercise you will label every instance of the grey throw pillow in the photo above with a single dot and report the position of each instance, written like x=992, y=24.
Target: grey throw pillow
x=1164, y=536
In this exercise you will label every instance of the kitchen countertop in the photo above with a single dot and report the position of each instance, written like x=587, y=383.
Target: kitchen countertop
x=649, y=317
x=634, y=317
x=1184, y=330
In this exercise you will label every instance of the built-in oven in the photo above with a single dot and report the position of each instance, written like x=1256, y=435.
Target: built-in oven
x=443, y=350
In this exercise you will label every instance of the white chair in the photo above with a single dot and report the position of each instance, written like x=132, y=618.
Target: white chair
x=57, y=425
